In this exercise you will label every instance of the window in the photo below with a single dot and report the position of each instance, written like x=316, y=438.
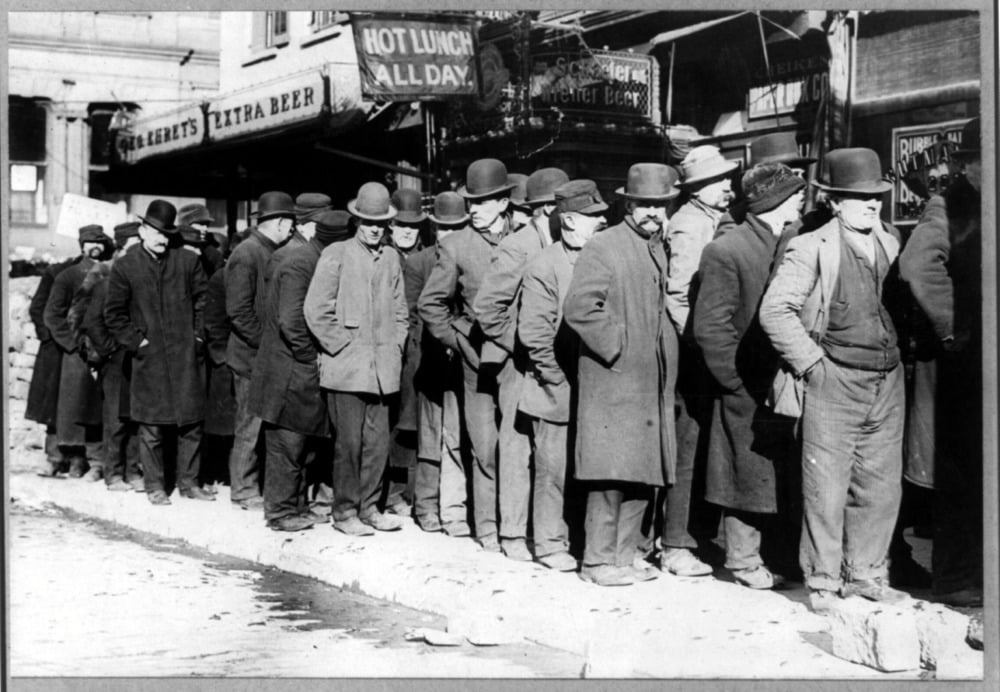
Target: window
x=27, y=194
x=324, y=19
x=275, y=29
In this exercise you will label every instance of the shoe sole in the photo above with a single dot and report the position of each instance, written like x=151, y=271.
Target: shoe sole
x=591, y=580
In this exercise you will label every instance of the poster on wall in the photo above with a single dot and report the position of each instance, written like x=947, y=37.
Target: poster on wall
x=914, y=150
x=406, y=59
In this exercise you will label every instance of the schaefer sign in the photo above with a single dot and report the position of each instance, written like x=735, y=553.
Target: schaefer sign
x=161, y=133
x=282, y=102
x=412, y=60
x=597, y=83
x=913, y=150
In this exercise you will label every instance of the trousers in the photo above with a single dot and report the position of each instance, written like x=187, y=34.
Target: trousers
x=551, y=533
x=244, y=465
x=188, y=456
x=285, y=458
x=360, y=451
x=613, y=523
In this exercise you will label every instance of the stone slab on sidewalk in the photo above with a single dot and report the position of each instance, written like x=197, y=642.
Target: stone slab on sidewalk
x=668, y=628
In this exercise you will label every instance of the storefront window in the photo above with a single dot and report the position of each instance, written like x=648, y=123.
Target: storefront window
x=324, y=19
x=27, y=194
x=276, y=29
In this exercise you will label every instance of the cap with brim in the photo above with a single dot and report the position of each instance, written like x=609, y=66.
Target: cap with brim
x=309, y=205
x=193, y=213
x=161, y=214
x=372, y=203
x=705, y=164
x=485, y=178
x=650, y=182
x=449, y=209
x=126, y=230
x=580, y=196
x=853, y=170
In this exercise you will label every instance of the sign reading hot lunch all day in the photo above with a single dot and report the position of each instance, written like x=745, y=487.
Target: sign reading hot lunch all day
x=913, y=149
x=411, y=60
x=600, y=83
x=162, y=133
x=282, y=102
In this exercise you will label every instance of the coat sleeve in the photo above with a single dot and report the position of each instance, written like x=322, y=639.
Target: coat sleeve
x=586, y=310
x=401, y=307
x=320, y=307
x=779, y=310
x=686, y=244
x=216, y=320
x=495, y=303
x=537, y=323
x=923, y=265
x=712, y=318
x=36, y=310
x=435, y=300
x=116, y=311
x=57, y=312
x=291, y=282
x=93, y=322
x=241, y=287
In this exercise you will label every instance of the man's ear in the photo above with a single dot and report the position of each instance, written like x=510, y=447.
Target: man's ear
x=568, y=221
x=505, y=203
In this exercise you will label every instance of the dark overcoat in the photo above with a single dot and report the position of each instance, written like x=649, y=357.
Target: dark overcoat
x=244, y=274
x=284, y=387
x=220, y=404
x=628, y=359
x=163, y=301
x=79, y=392
x=114, y=362
x=43, y=392
x=749, y=444
x=407, y=418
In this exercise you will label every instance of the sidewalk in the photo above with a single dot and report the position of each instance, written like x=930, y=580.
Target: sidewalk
x=668, y=628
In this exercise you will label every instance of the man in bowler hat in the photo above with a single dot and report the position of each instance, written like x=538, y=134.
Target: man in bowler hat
x=828, y=313
x=154, y=309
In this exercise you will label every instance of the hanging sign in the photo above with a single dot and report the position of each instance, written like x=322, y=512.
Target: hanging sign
x=408, y=60
x=281, y=102
x=796, y=83
x=77, y=211
x=161, y=133
x=917, y=150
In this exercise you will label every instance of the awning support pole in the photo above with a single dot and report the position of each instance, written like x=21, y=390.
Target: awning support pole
x=374, y=162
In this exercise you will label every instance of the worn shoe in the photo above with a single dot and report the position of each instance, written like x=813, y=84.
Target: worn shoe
x=560, y=562
x=196, y=493
x=683, y=563
x=291, y=522
x=876, y=589
x=382, y=522
x=429, y=523
x=400, y=509
x=759, y=577
x=515, y=549
x=158, y=497
x=608, y=575
x=314, y=518
x=643, y=571
x=77, y=467
x=489, y=543
x=250, y=504
x=210, y=489
x=52, y=470
x=353, y=527
x=969, y=597
x=137, y=484
x=95, y=474
x=458, y=529
x=822, y=601
x=119, y=485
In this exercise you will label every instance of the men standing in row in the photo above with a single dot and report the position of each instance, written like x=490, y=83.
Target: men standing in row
x=496, y=307
x=78, y=414
x=154, y=309
x=749, y=445
x=551, y=352
x=827, y=314
x=356, y=309
x=245, y=304
x=446, y=306
x=625, y=442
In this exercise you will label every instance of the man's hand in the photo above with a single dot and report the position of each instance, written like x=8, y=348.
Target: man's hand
x=144, y=342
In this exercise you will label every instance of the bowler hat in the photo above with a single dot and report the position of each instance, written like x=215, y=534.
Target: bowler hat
x=275, y=204
x=409, y=206
x=160, y=214
x=703, y=164
x=372, y=203
x=542, y=185
x=309, y=205
x=193, y=213
x=191, y=236
x=971, y=134
x=853, y=170
x=92, y=233
x=650, y=181
x=449, y=209
x=579, y=196
x=485, y=178
x=124, y=231
x=779, y=147
x=519, y=191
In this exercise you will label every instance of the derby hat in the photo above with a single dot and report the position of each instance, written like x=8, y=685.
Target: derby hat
x=372, y=203
x=579, y=196
x=275, y=204
x=971, y=142
x=705, y=163
x=124, y=231
x=92, y=233
x=519, y=191
x=650, y=181
x=542, y=185
x=779, y=147
x=409, y=206
x=485, y=178
x=449, y=209
x=310, y=204
x=193, y=213
x=161, y=214
x=855, y=169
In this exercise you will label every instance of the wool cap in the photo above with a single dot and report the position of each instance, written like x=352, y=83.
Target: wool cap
x=579, y=196
x=768, y=185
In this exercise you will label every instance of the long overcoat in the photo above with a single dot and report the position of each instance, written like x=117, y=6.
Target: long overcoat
x=79, y=393
x=114, y=362
x=163, y=301
x=220, y=403
x=244, y=276
x=407, y=418
x=356, y=308
x=748, y=443
x=43, y=392
x=284, y=387
x=628, y=360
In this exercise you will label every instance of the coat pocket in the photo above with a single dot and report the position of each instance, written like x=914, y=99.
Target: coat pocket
x=785, y=397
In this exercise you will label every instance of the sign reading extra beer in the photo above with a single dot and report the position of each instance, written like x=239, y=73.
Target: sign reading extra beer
x=161, y=133
x=409, y=59
x=281, y=102
x=917, y=150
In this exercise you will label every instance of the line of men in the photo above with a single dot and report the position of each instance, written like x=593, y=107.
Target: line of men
x=595, y=371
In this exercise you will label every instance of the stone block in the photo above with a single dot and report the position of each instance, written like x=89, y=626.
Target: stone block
x=942, y=632
x=31, y=344
x=974, y=635
x=21, y=360
x=877, y=635
x=17, y=389
x=20, y=374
